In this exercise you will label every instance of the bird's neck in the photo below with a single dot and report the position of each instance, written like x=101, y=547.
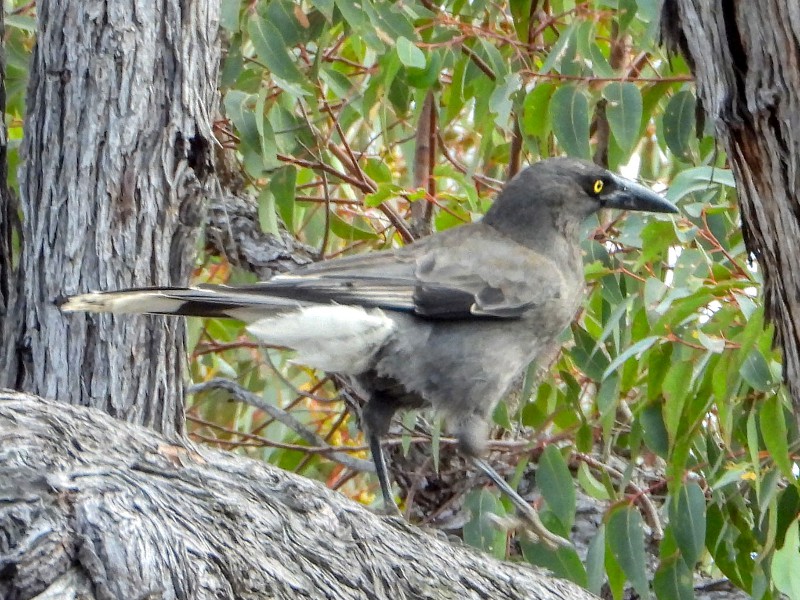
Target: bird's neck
x=536, y=227
x=544, y=232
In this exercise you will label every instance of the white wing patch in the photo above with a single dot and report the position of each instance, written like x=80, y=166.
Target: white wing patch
x=335, y=338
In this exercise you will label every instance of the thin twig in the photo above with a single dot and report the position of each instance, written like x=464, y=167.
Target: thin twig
x=640, y=497
x=247, y=397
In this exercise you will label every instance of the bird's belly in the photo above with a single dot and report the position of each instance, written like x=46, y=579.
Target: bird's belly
x=458, y=366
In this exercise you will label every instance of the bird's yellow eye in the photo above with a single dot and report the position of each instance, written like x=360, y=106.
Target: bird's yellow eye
x=598, y=186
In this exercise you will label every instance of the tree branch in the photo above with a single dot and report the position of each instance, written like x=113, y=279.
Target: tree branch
x=90, y=502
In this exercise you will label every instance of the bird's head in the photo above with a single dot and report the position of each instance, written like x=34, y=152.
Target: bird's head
x=564, y=192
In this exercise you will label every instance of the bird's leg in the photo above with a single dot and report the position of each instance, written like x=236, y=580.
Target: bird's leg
x=525, y=510
x=376, y=417
x=379, y=459
x=471, y=430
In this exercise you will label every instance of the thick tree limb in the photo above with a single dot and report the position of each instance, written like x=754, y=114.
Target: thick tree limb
x=90, y=504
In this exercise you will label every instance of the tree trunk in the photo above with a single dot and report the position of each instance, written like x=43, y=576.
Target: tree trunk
x=118, y=150
x=744, y=58
x=90, y=505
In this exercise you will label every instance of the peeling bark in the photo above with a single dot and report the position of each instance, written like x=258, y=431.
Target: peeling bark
x=93, y=505
x=118, y=150
x=745, y=60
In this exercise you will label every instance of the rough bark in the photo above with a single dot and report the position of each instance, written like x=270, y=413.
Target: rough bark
x=745, y=60
x=92, y=505
x=232, y=230
x=118, y=153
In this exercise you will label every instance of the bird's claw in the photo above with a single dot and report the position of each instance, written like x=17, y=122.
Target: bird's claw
x=536, y=527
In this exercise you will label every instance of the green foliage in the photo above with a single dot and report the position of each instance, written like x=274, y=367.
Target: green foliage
x=668, y=381
x=626, y=542
x=569, y=111
x=557, y=488
x=678, y=121
x=563, y=562
x=670, y=364
x=480, y=531
x=624, y=113
x=786, y=564
x=688, y=508
x=20, y=30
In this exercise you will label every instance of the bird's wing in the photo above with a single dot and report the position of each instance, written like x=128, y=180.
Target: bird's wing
x=373, y=280
x=462, y=273
x=491, y=276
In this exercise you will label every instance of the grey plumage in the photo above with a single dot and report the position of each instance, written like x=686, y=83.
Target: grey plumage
x=448, y=321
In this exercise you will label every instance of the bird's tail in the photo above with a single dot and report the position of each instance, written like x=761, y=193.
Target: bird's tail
x=333, y=337
x=201, y=301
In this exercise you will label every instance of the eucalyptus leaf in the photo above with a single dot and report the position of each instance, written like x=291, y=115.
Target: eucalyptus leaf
x=624, y=112
x=569, y=116
x=480, y=531
x=625, y=539
x=557, y=487
x=270, y=47
x=687, y=513
x=679, y=122
x=409, y=54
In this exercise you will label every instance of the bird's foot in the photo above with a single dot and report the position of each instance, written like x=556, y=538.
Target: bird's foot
x=534, y=525
x=528, y=515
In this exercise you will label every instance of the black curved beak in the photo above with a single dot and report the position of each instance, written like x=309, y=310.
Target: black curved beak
x=629, y=195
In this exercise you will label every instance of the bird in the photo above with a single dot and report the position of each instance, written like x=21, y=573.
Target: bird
x=449, y=321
